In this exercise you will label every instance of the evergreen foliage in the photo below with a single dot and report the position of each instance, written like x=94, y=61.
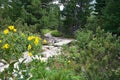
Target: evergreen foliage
x=41, y=13
x=109, y=15
x=75, y=13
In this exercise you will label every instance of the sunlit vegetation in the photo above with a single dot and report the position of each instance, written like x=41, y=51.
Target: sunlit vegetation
x=93, y=24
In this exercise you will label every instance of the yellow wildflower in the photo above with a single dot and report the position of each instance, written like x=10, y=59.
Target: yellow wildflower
x=44, y=41
x=30, y=54
x=29, y=47
x=36, y=41
x=0, y=41
x=6, y=46
x=14, y=30
x=6, y=31
x=11, y=27
x=30, y=38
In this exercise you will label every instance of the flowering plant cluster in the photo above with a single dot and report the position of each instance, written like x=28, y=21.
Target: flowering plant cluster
x=13, y=43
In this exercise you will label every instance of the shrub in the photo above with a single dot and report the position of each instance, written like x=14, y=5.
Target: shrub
x=37, y=70
x=13, y=43
x=4, y=22
x=22, y=26
x=96, y=55
x=44, y=31
x=56, y=33
x=92, y=23
x=99, y=54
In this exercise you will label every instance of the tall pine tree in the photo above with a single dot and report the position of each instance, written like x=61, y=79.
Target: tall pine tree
x=75, y=13
x=109, y=15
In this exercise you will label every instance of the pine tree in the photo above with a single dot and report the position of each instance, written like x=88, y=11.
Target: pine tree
x=109, y=15
x=75, y=13
x=112, y=16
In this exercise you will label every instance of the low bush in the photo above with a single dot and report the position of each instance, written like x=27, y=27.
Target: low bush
x=99, y=54
x=22, y=26
x=44, y=31
x=41, y=71
x=38, y=70
x=13, y=43
x=96, y=55
x=4, y=22
x=56, y=33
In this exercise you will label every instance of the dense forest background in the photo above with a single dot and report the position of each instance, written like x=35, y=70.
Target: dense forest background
x=75, y=15
x=94, y=24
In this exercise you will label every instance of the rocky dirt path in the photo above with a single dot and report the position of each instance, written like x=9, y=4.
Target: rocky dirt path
x=55, y=45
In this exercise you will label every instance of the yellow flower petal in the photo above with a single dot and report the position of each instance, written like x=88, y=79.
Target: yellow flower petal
x=36, y=41
x=6, y=31
x=11, y=27
x=14, y=30
x=29, y=47
x=30, y=38
x=30, y=54
x=44, y=41
x=6, y=46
